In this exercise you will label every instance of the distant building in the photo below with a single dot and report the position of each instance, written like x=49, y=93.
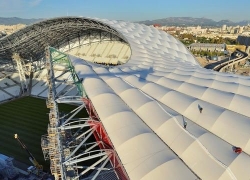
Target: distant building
x=214, y=58
x=207, y=47
x=229, y=28
x=224, y=27
x=241, y=29
x=196, y=30
x=236, y=30
x=232, y=31
x=156, y=25
x=244, y=40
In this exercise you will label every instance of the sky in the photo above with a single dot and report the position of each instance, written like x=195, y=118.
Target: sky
x=128, y=10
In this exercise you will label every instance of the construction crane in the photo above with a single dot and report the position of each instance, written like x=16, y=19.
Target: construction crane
x=39, y=168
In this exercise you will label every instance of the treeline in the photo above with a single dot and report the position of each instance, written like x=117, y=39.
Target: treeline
x=207, y=53
x=188, y=39
x=217, y=40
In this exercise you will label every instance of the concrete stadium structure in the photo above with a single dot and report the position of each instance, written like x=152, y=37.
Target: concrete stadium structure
x=244, y=40
x=159, y=112
x=207, y=47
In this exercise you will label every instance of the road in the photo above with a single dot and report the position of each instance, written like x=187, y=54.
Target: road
x=212, y=65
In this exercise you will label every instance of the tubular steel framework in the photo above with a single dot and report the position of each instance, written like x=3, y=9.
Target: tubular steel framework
x=31, y=41
x=68, y=144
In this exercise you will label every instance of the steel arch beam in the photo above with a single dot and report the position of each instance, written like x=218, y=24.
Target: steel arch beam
x=31, y=41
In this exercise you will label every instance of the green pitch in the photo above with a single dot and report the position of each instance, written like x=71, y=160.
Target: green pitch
x=28, y=117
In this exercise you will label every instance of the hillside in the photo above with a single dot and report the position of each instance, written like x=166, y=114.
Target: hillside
x=170, y=21
x=189, y=21
x=16, y=20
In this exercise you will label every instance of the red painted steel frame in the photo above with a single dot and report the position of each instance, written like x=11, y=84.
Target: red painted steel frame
x=101, y=136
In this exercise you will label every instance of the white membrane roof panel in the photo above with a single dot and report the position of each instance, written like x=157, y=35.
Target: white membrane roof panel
x=144, y=104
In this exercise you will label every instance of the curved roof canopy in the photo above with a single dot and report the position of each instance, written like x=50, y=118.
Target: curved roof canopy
x=145, y=103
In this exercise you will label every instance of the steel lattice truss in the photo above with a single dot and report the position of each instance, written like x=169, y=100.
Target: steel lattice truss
x=31, y=41
x=67, y=143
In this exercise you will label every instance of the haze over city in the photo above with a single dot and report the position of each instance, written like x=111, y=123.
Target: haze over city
x=127, y=10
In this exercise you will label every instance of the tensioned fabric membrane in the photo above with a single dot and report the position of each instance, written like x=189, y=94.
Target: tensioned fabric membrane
x=144, y=103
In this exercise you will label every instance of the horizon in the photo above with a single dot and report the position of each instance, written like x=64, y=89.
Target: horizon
x=141, y=20
x=140, y=10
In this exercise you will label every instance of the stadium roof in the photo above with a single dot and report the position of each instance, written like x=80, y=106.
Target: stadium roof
x=31, y=41
x=145, y=103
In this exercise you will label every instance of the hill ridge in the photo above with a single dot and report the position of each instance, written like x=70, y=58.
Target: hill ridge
x=190, y=21
x=17, y=20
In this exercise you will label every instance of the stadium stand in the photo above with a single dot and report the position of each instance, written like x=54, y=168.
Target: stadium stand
x=15, y=78
x=38, y=88
x=4, y=96
x=72, y=91
x=14, y=90
x=110, y=52
x=5, y=82
x=9, y=86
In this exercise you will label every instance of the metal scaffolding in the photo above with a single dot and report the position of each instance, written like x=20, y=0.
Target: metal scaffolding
x=21, y=70
x=74, y=145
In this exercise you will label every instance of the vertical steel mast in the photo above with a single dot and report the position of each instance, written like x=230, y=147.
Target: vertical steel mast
x=21, y=70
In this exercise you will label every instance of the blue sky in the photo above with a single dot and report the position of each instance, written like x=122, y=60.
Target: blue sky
x=129, y=10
